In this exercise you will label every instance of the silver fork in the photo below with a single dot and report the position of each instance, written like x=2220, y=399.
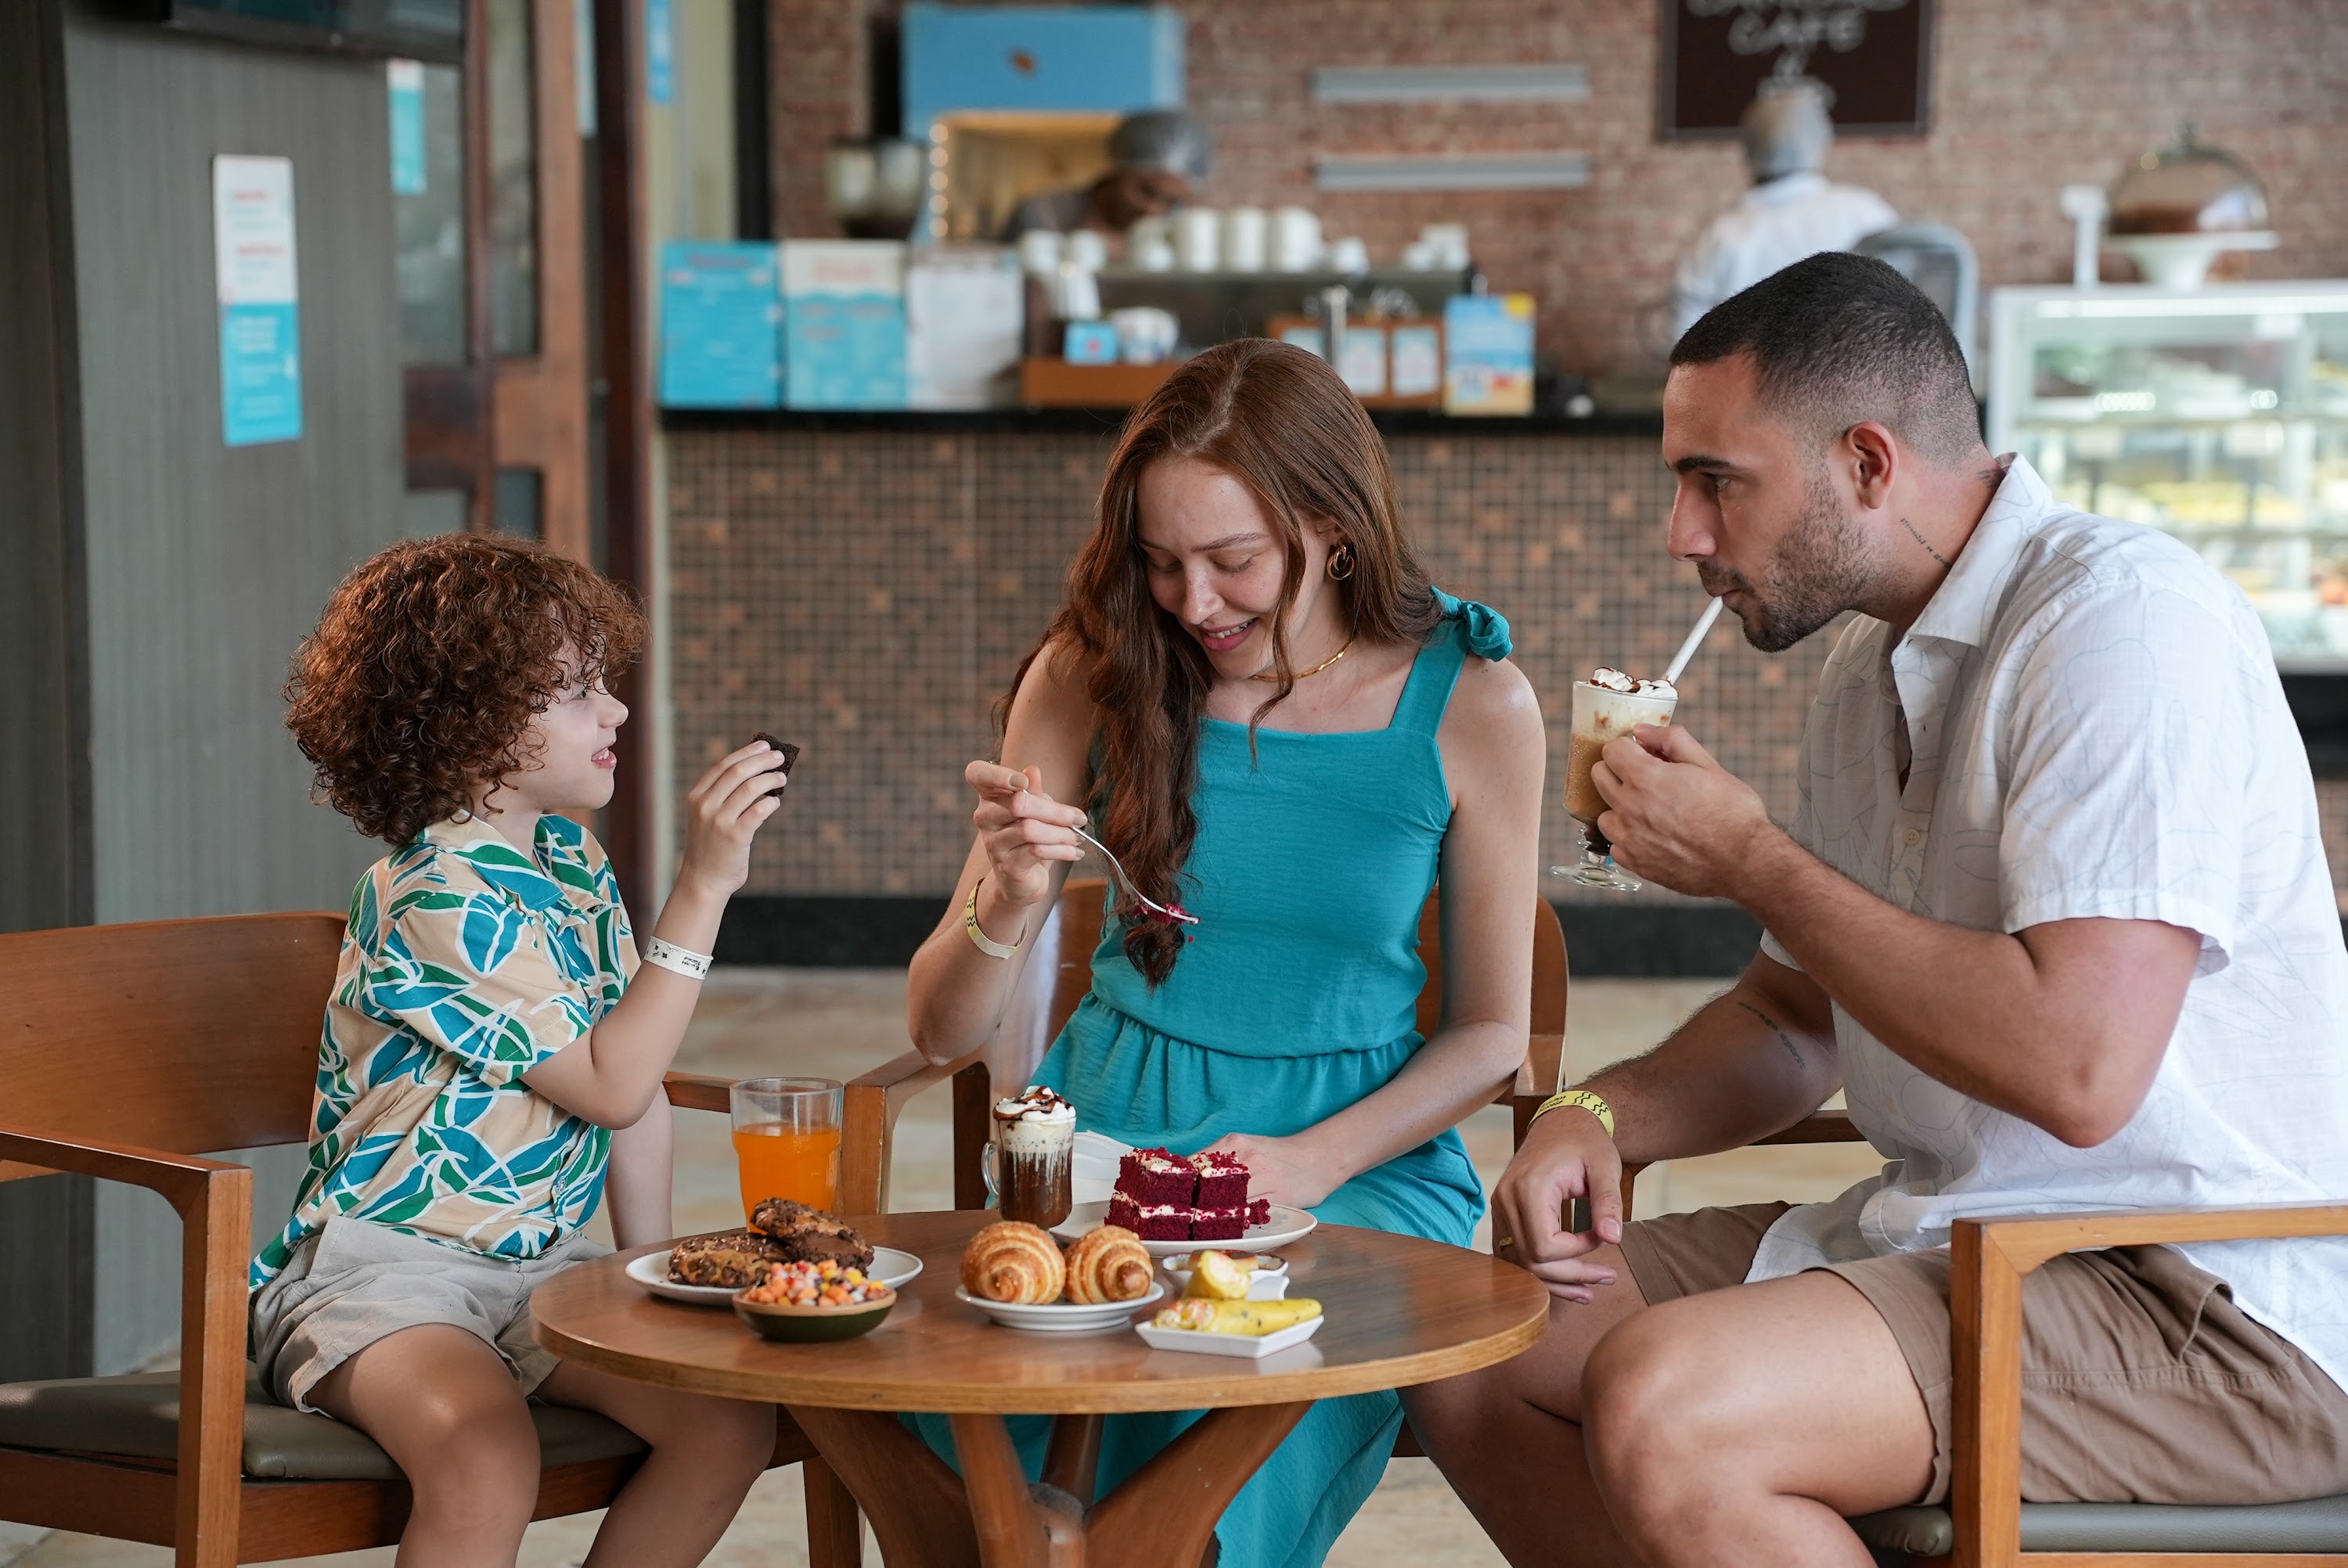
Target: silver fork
x=1181, y=916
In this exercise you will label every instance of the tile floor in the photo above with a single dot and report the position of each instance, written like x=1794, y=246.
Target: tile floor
x=838, y=1022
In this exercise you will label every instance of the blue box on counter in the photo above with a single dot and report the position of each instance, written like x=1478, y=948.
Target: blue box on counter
x=1487, y=354
x=844, y=323
x=721, y=325
x=1089, y=343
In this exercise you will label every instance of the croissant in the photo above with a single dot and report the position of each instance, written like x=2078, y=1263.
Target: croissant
x=1108, y=1264
x=1013, y=1262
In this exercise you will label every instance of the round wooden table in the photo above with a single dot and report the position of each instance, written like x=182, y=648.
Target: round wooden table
x=1400, y=1311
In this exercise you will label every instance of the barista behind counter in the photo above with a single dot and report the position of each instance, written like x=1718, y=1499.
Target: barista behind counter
x=1792, y=212
x=1157, y=155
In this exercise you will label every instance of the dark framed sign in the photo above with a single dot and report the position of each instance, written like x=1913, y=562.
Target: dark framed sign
x=1874, y=56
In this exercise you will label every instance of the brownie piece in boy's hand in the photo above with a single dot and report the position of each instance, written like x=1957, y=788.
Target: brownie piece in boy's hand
x=790, y=754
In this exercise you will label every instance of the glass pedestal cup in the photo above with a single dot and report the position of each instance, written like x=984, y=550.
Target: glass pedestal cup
x=1030, y=1168
x=1599, y=717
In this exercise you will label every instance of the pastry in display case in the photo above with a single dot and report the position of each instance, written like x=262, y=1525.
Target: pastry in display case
x=2218, y=414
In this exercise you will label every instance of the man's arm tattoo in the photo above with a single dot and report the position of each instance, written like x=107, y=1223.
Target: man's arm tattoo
x=1778, y=1030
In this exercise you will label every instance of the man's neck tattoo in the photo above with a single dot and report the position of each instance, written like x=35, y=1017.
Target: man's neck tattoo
x=1922, y=540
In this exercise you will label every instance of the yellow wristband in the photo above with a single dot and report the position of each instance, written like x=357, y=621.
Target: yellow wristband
x=986, y=944
x=1583, y=1097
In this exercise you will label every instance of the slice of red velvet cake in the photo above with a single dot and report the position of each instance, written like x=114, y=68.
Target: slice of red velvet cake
x=1156, y=1194
x=1160, y=1196
x=1223, y=1180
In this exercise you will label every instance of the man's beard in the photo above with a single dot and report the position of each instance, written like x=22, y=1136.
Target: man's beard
x=1819, y=570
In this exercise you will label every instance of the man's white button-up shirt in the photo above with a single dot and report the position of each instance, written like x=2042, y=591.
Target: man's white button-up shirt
x=2094, y=728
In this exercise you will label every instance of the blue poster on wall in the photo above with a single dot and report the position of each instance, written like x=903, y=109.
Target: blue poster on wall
x=721, y=327
x=404, y=80
x=660, y=51
x=259, y=318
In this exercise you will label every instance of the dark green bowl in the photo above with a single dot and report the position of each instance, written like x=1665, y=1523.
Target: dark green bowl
x=812, y=1325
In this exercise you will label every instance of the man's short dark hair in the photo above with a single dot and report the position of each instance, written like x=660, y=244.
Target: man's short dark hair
x=1839, y=339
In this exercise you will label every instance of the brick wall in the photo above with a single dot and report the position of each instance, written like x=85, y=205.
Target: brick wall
x=871, y=594
x=2028, y=96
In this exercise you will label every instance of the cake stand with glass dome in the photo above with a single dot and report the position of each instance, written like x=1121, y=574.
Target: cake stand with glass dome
x=2176, y=211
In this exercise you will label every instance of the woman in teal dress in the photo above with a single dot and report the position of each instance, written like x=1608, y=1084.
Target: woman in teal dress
x=1278, y=723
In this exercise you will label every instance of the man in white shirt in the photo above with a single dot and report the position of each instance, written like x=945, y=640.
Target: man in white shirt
x=1793, y=211
x=2054, y=915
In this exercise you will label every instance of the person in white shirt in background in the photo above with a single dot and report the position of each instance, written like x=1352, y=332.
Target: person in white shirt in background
x=1792, y=211
x=1157, y=158
x=2053, y=914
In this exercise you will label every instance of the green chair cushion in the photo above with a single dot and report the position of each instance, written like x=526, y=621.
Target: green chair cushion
x=2317, y=1525
x=138, y=1416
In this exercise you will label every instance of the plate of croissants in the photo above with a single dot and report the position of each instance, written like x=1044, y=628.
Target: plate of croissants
x=1019, y=1277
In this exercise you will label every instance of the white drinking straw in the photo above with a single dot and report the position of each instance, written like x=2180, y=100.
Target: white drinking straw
x=1695, y=641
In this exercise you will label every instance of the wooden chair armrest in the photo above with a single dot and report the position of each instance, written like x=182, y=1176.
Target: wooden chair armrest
x=180, y=1178
x=1536, y=1079
x=1817, y=1127
x=215, y=1200
x=1989, y=1260
x=873, y=1102
x=699, y=1091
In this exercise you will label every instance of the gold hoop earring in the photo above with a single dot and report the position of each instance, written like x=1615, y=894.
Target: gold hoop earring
x=1340, y=563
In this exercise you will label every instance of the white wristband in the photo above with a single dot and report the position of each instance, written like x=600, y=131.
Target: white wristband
x=677, y=960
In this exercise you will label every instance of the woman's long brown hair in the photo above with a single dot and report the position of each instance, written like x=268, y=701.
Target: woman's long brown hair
x=1280, y=421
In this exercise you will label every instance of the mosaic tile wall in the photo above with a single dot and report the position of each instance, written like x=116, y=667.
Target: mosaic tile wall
x=871, y=595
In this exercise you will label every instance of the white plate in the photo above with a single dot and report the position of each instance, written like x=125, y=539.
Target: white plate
x=1253, y=1347
x=891, y=1266
x=1285, y=1225
x=1263, y=1283
x=1062, y=1316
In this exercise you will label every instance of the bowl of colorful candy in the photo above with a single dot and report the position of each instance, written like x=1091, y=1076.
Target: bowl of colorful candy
x=804, y=1303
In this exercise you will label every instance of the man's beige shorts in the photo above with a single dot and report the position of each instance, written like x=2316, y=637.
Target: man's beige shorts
x=356, y=1283
x=2141, y=1380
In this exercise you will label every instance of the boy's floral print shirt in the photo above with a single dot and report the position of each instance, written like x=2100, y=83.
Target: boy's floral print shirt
x=466, y=963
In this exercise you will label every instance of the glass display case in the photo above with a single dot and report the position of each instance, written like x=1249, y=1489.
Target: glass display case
x=2218, y=414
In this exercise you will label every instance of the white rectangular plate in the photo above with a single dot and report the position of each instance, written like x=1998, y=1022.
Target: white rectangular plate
x=1252, y=1346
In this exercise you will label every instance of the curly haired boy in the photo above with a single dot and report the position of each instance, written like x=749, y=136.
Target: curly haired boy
x=491, y=1050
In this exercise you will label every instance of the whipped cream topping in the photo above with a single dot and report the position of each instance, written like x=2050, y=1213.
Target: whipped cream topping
x=1616, y=680
x=1037, y=1103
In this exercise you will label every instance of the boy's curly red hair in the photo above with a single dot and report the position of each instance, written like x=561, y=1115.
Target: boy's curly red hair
x=429, y=662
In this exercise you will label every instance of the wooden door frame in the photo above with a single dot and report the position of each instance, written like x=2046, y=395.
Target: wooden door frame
x=539, y=407
x=627, y=409
x=468, y=420
x=446, y=405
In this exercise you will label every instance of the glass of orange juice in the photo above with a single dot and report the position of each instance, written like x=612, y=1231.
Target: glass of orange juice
x=786, y=1141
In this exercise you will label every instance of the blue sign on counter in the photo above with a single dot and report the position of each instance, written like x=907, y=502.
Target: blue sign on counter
x=721, y=330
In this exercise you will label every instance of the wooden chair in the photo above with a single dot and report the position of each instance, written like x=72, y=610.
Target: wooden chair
x=125, y=1051
x=1985, y=1523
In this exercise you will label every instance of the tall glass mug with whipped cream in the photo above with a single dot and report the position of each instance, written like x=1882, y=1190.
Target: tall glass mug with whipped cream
x=1609, y=703
x=1032, y=1158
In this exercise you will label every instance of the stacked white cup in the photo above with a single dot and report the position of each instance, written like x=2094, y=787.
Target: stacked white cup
x=1243, y=239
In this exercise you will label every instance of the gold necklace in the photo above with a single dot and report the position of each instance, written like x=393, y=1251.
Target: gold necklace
x=1308, y=674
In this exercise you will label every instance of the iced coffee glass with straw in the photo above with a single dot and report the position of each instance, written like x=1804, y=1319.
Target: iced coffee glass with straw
x=1600, y=714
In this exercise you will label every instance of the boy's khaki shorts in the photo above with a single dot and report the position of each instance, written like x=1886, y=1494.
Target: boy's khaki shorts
x=356, y=1283
x=2141, y=1380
